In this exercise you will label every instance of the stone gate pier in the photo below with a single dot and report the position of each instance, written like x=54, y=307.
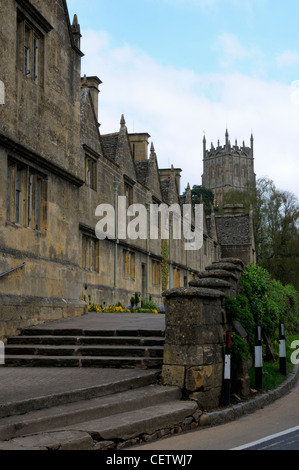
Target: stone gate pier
x=195, y=335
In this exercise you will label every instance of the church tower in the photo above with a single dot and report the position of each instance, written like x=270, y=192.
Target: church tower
x=227, y=167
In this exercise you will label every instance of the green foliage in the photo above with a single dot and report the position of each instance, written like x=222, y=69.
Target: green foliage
x=237, y=309
x=135, y=299
x=265, y=302
x=240, y=350
x=276, y=215
x=149, y=304
x=202, y=195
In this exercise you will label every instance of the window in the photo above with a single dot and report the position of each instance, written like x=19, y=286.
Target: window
x=156, y=273
x=90, y=253
x=28, y=48
x=177, y=277
x=129, y=270
x=129, y=194
x=91, y=172
x=26, y=196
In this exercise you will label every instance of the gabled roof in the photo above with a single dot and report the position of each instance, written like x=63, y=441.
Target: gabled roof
x=117, y=148
x=110, y=145
x=142, y=170
x=71, y=31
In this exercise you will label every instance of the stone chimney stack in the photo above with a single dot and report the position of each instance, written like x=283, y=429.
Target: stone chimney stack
x=93, y=84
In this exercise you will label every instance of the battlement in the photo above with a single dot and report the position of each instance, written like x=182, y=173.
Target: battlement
x=229, y=149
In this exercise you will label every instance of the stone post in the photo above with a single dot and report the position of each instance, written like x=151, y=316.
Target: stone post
x=194, y=343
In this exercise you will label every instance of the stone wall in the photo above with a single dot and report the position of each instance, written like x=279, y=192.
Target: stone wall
x=196, y=326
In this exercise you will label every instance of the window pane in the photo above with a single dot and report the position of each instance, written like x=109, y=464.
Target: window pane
x=37, y=203
x=18, y=197
x=35, y=58
x=27, y=51
x=8, y=197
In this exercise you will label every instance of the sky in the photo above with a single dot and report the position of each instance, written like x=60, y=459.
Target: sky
x=182, y=69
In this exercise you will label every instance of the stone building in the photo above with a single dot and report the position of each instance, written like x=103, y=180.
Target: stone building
x=56, y=169
x=227, y=167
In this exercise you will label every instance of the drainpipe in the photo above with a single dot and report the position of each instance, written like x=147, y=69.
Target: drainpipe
x=170, y=252
x=148, y=251
x=187, y=266
x=116, y=186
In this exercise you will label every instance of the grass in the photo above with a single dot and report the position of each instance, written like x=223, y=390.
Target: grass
x=272, y=377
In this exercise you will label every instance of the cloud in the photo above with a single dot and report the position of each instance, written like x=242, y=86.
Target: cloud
x=234, y=55
x=287, y=59
x=177, y=106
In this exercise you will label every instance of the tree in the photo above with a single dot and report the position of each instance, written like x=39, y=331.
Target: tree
x=276, y=216
x=202, y=195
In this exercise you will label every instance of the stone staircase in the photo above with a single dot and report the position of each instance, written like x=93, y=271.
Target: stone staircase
x=123, y=406
x=110, y=419
x=34, y=347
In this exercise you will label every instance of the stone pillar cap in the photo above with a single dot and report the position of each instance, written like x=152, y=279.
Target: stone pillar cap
x=209, y=282
x=218, y=273
x=224, y=265
x=192, y=292
x=230, y=260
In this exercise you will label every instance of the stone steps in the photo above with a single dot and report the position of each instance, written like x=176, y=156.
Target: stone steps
x=110, y=419
x=83, y=351
x=87, y=340
x=54, y=347
x=68, y=361
x=72, y=414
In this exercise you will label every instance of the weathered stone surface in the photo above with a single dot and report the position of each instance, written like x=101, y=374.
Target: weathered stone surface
x=204, y=420
x=173, y=375
x=220, y=274
x=183, y=354
x=224, y=265
x=192, y=292
x=237, y=261
x=239, y=329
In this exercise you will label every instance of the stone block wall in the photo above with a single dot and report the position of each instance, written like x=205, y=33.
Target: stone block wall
x=196, y=326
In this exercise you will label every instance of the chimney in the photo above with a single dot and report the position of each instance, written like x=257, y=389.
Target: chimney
x=93, y=84
x=139, y=146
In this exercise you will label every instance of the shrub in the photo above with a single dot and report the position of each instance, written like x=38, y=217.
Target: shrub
x=240, y=350
x=265, y=302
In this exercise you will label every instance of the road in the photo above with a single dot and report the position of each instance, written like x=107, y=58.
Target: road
x=273, y=421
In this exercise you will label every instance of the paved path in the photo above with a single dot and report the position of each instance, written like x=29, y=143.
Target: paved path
x=110, y=321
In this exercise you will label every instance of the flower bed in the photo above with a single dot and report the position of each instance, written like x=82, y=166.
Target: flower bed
x=121, y=309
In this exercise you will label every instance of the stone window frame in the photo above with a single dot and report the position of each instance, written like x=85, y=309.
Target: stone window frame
x=91, y=172
x=26, y=196
x=30, y=49
x=27, y=16
x=156, y=273
x=90, y=250
x=129, y=265
x=129, y=190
